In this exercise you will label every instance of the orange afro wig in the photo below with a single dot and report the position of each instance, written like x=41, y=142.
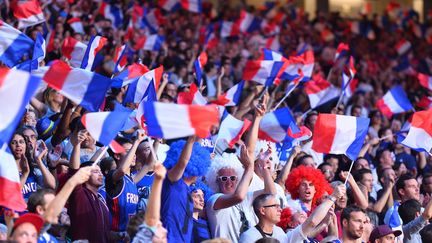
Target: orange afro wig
x=285, y=218
x=313, y=175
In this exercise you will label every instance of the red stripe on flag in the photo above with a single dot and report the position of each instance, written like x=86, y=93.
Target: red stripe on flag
x=324, y=132
x=203, y=118
x=57, y=74
x=11, y=196
x=3, y=74
x=422, y=119
x=384, y=108
x=252, y=67
x=68, y=47
x=246, y=125
x=158, y=75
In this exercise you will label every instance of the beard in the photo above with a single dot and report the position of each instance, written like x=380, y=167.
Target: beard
x=354, y=235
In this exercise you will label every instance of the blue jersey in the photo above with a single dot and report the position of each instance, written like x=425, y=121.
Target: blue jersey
x=123, y=205
x=201, y=230
x=47, y=238
x=31, y=185
x=144, y=186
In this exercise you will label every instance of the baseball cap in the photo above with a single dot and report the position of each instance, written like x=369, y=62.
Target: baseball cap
x=383, y=230
x=32, y=218
x=45, y=127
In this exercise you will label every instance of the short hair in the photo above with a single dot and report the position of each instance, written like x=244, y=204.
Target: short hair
x=408, y=209
x=86, y=164
x=267, y=240
x=358, y=175
x=426, y=233
x=299, y=161
x=323, y=164
x=38, y=198
x=400, y=183
x=259, y=201
x=331, y=156
x=380, y=152
x=135, y=221
x=106, y=164
x=346, y=212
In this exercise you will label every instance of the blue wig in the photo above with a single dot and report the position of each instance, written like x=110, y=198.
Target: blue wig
x=199, y=161
x=199, y=185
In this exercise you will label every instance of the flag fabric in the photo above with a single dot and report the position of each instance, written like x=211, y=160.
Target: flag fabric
x=349, y=84
x=13, y=44
x=171, y=121
x=90, y=60
x=149, y=96
x=153, y=20
x=104, y=126
x=39, y=53
x=136, y=90
x=11, y=196
x=341, y=51
x=120, y=59
x=338, y=134
x=305, y=62
x=82, y=87
x=16, y=89
x=192, y=5
x=265, y=72
x=199, y=67
x=211, y=40
x=419, y=136
x=273, y=43
x=150, y=43
x=425, y=80
x=74, y=51
x=28, y=13
x=403, y=47
x=248, y=22
x=113, y=13
x=129, y=75
x=76, y=24
x=425, y=102
x=116, y=147
x=231, y=97
x=230, y=132
x=320, y=91
x=363, y=29
x=192, y=97
x=229, y=28
x=274, y=125
x=393, y=102
x=169, y=5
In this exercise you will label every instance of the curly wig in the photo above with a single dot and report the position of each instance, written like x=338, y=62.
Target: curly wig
x=313, y=175
x=199, y=161
x=224, y=161
x=199, y=185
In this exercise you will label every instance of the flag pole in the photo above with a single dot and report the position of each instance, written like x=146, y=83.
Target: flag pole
x=349, y=172
x=286, y=96
x=100, y=155
x=153, y=152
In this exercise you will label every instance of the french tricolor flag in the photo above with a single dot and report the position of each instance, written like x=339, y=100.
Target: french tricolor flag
x=150, y=43
x=169, y=5
x=90, y=60
x=231, y=97
x=76, y=25
x=13, y=44
x=16, y=89
x=425, y=80
x=403, y=47
x=192, y=5
x=153, y=20
x=248, y=22
x=150, y=96
x=341, y=51
x=199, y=66
x=74, y=51
x=229, y=28
x=211, y=40
x=104, y=126
x=320, y=91
x=193, y=97
x=28, y=13
x=394, y=101
x=349, y=84
x=419, y=136
x=82, y=87
x=136, y=90
x=11, y=196
x=337, y=134
x=425, y=102
x=305, y=62
x=274, y=125
x=188, y=120
x=265, y=72
x=120, y=59
x=230, y=132
x=39, y=53
x=129, y=75
x=273, y=43
x=113, y=13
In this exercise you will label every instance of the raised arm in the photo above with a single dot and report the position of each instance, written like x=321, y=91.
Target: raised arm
x=162, y=85
x=76, y=139
x=252, y=136
x=359, y=198
x=176, y=173
x=152, y=215
x=226, y=201
x=287, y=167
x=49, y=179
x=381, y=203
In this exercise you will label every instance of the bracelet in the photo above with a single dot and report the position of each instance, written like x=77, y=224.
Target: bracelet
x=331, y=198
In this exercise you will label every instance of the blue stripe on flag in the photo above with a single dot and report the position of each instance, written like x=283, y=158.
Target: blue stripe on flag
x=21, y=46
x=112, y=125
x=153, y=127
x=95, y=93
x=362, y=125
x=401, y=98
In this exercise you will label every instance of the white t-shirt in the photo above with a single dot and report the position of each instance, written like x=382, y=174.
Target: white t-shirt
x=295, y=235
x=258, y=184
x=227, y=222
x=253, y=235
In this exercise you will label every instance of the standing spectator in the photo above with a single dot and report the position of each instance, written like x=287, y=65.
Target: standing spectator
x=352, y=220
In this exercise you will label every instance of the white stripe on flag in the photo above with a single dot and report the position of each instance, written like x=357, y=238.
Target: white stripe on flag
x=173, y=121
x=418, y=138
x=76, y=84
x=390, y=101
x=346, y=128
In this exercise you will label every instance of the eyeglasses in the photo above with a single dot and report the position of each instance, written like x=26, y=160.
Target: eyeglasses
x=225, y=178
x=271, y=206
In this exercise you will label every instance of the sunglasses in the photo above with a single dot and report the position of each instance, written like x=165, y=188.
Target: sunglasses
x=225, y=178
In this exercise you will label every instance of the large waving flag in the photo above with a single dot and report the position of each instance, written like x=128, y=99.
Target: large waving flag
x=149, y=96
x=231, y=97
x=11, y=196
x=113, y=13
x=337, y=134
x=91, y=60
x=320, y=91
x=419, y=136
x=120, y=59
x=76, y=24
x=16, y=89
x=274, y=126
x=199, y=64
x=192, y=5
x=193, y=97
x=83, y=87
x=74, y=51
x=230, y=132
x=425, y=80
x=210, y=39
x=104, y=126
x=129, y=75
x=265, y=72
x=394, y=101
x=13, y=44
x=28, y=13
x=248, y=22
x=39, y=53
x=229, y=28
x=349, y=84
x=188, y=120
x=305, y=62
x=136, y=90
